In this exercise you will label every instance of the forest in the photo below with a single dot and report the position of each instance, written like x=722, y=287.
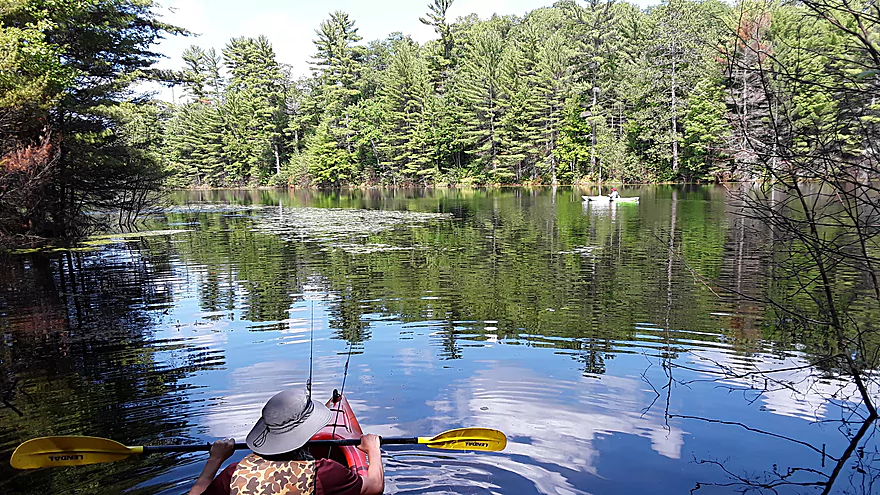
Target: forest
x=574, y=93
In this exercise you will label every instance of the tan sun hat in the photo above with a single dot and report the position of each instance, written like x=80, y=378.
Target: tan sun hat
x=289, y=420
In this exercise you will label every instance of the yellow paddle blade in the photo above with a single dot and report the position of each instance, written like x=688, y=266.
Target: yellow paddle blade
x=69, y=451
x=485, y=439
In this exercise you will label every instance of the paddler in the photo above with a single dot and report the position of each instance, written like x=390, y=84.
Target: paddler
x=280, y=462
x=614, y=194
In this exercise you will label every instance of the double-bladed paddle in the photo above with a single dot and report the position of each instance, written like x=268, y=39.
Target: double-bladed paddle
x=79, y=451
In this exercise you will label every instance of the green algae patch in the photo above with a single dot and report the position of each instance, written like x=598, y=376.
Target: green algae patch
x=134, y=235
x=344, y=229
x=97, y=241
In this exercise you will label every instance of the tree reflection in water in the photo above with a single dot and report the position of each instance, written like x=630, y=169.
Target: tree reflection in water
x=78, y=359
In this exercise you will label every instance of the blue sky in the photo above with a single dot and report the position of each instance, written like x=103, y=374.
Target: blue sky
x=290, y=25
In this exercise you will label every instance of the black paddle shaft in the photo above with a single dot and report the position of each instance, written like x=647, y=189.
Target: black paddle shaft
x=357, y=441
x=202, y=447
x=153, y=449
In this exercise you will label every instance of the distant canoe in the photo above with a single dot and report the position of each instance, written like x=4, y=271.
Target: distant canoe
x=606, y=199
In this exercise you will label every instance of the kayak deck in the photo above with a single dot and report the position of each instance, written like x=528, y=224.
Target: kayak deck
x=343, y=425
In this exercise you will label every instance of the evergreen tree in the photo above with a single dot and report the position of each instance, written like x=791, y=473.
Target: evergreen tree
x=678, y=52
x=255, y=106
x=706, y=130
x=201, y=75
x=441, y=62
x=594, y=61
x=406, y=90
x=194, y=140
x=194, y=137
x=302, y=107
x=519, y=132
x=553, y=71
x=337, y=63
x=600, y=90
x=436, y=17
x=481, y=87
x=90, y=53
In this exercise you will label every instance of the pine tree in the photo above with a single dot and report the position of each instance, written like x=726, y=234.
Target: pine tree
x=519, y=132
x=594, y=61
x=706, y=129
x=442, y=62
x=405, y=92
x=195, y=144
x=481, y=87
x=338, y=66
x=329, y=164
x=303, y=110
x=678, y=51
x=437, y=18
x=553, y=72
x=194, y=139
x=256, y=105
x=67, y=70
x=202, y=79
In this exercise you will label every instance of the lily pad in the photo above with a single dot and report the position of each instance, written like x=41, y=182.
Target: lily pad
x=211, y=208
x=336, y=224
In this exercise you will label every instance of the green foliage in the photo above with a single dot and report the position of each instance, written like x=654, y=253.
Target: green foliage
x=329, y=164
x=481, y=88
x=294, y=172
x=236, y=131
x=705, y=130
x=195, y=144
x=570, y=93
x=66, y=71
x=573, y=92
x=31, y=70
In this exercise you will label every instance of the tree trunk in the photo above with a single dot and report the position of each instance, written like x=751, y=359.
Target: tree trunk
x=492, y=150
x=376, y=152
x=593, y=130
x=673, y=214
x=674, y=117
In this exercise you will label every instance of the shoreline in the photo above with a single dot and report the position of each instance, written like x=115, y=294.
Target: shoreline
x=451, y=186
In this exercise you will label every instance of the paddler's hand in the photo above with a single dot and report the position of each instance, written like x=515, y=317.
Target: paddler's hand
x=220, y=451
x=374, y=478
x=369, y=443
x=223, y=449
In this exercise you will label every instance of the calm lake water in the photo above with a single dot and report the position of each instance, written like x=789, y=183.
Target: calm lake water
x=583, y=332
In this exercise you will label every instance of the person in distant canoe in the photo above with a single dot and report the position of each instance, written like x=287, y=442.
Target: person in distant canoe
x=614, y=194
x=280, y=462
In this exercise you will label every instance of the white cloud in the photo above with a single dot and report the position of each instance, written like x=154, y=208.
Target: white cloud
x=559, y=424
x=805, y=394
x=234, y=410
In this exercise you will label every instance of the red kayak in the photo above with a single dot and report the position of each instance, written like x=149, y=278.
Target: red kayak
x=343, y=425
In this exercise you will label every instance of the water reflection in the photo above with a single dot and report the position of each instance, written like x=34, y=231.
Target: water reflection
x=557, y=425
x=585, y=333
x=79, y=358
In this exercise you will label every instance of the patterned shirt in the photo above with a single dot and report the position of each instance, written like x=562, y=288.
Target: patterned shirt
x=333, y=479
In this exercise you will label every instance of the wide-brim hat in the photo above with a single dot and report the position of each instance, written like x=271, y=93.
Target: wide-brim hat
x=289, y=419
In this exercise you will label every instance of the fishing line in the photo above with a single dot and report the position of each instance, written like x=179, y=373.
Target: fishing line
x=345, y=373
x=311, y=348
x=341, y=391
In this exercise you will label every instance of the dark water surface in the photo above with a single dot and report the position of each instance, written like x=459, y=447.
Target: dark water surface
x=518, y=309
